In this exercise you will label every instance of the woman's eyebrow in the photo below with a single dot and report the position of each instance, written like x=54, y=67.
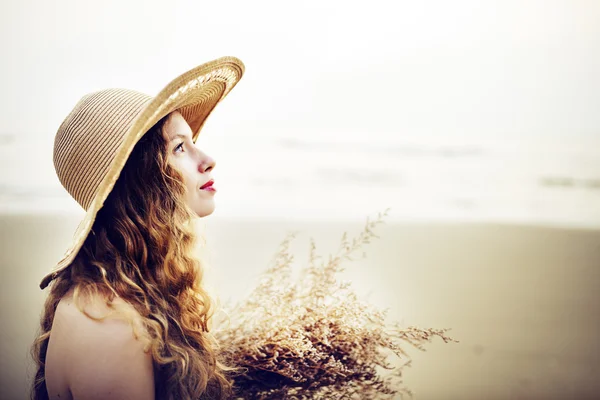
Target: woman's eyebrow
x=179, y=135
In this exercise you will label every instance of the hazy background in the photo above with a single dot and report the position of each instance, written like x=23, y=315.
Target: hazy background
x=477, y=122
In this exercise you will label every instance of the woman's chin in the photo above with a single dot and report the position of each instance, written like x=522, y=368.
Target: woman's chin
x=205, y=211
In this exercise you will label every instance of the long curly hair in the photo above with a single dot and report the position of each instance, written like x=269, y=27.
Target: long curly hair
x=141, y=249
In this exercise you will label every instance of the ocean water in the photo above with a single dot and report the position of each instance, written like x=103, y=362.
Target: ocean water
x=550, y=181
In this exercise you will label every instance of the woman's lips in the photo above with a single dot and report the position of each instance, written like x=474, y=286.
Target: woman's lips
x=208, y=186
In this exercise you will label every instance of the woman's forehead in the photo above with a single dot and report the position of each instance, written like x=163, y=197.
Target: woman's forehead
x=176, y=125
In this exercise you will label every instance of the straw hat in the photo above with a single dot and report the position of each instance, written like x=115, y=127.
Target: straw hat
x=94, y=141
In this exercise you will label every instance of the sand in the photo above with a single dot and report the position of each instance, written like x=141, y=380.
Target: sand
x=523, y=300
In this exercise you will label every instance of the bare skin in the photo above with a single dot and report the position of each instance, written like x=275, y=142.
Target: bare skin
x=93, y=360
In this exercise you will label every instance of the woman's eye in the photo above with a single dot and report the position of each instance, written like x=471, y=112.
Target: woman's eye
x=179, y=146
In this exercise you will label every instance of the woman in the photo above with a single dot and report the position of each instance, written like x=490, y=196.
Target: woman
x=127, y=316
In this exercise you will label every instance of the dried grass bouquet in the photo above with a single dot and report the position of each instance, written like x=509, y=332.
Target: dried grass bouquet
x=311, y=337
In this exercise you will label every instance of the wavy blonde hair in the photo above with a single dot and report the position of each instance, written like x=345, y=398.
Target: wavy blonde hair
x=141, y=249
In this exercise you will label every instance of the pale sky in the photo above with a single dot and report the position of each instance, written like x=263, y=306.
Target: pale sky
x=333, y=68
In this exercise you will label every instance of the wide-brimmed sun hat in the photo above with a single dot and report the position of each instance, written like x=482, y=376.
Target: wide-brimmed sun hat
x=94, y=141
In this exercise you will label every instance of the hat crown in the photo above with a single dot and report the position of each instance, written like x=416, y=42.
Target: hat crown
x=87, y=141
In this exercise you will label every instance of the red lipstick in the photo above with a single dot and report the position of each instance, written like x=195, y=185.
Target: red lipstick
x=208, y=186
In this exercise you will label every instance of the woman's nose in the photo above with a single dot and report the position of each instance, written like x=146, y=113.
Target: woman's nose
x=206, y=164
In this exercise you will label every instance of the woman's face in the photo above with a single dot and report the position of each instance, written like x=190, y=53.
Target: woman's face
x=193, y=164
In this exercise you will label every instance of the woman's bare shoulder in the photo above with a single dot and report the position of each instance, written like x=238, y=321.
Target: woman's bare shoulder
x=94, y=308
x=97, y=358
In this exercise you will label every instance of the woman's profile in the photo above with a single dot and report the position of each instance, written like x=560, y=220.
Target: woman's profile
x=126, y=315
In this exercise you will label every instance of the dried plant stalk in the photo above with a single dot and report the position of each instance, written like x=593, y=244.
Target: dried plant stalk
x=311, y=337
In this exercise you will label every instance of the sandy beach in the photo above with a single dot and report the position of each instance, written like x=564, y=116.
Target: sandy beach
x=522, y=300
